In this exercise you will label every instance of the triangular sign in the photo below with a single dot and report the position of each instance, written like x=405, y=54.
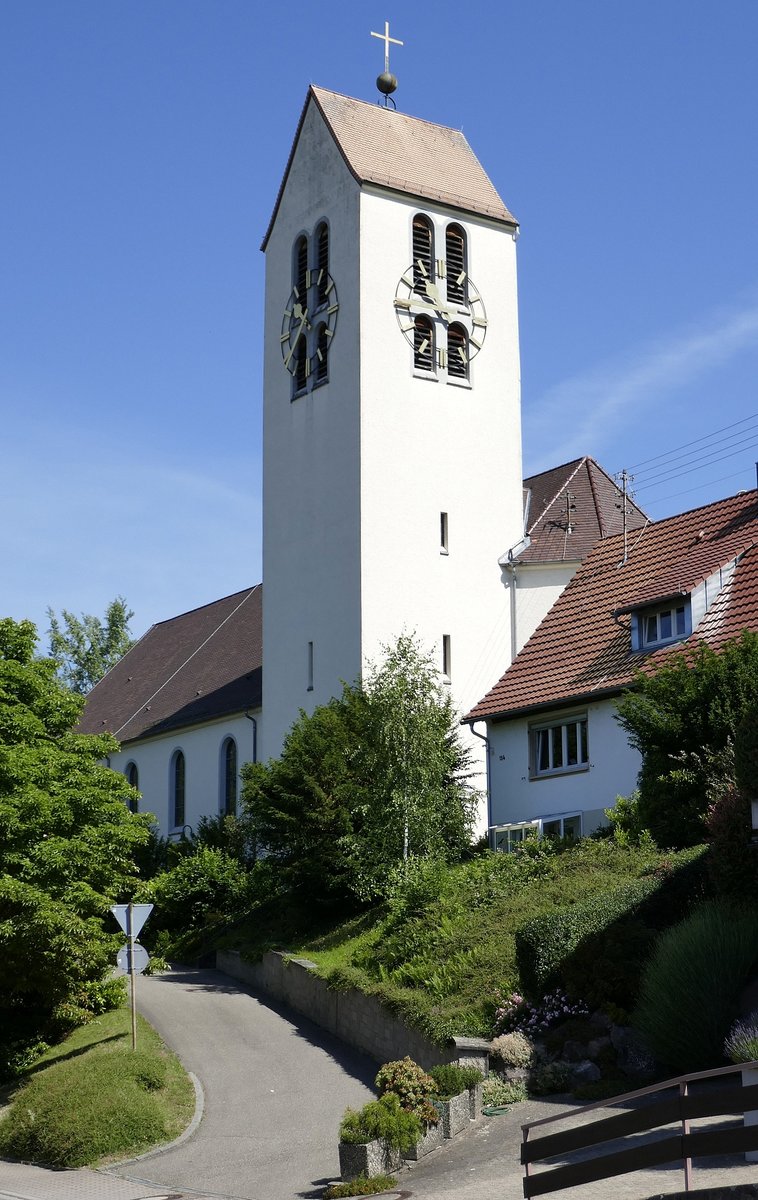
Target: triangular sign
x=140, y=913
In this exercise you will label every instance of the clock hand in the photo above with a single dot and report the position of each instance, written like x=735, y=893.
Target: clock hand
x=293, y=347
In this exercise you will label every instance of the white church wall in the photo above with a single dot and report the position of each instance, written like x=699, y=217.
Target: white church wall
x=517, y=796
x=202, y=749
x=311, y=457
x=431, y=445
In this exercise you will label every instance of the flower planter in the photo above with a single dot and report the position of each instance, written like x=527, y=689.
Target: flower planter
x=430, y=1141
x=455, y=1113
x=367, y=1158
x=750, y=1077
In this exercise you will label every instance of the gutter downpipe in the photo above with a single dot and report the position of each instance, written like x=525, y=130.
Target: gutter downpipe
x=255, y=734
x=483, y=737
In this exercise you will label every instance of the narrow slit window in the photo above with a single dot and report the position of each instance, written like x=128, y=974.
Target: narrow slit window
x=444, y=549
x=455, y=249
x=310, y=666
x=457, y=352
x=321, y=371
x=423, y=344
x=132, y=778
x=301, y=269
x=322, y=264
x=423, y=254
x=446, y=657
x=301, y=363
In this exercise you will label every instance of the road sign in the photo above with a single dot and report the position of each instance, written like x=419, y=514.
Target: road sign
x=126, y=961
x=140, y=913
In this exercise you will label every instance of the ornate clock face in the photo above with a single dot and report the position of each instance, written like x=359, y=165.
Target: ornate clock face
x=416, y=296
x=310, y=315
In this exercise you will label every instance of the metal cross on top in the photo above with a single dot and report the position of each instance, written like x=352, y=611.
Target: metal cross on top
x=385, y=37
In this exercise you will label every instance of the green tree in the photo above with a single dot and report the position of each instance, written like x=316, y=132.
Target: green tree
x=684, y=720
x=85, y=648
x=67, y=841
x=370, y=778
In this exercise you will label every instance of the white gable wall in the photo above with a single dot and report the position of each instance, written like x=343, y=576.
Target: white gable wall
x=613, y=769
x=201, y=746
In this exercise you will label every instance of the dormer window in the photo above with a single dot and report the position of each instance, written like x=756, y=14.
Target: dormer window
x=669, y=623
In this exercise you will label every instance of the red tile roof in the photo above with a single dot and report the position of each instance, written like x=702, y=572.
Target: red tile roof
x=596, y=512
x=404, y=154
x=193, y=668
x=582, y=647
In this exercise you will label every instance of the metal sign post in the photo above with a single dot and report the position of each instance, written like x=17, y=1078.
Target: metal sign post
x=131, y=918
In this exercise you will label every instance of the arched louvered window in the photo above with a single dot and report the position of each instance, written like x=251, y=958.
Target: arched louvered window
x=423, y=344
x=177, y=790
x=301, y=267
x=455, y=252
x=423, y=253
x=132, y=778
x=322, y=263
x=457, y=352
x=229, y=777
x=301, y=363
x=322, y=354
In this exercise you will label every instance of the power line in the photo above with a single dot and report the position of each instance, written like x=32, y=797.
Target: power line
x=688, y=491
x=696, y=441
x=713, y=442
x=700, y=467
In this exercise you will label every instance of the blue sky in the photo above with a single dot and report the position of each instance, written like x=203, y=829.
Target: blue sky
x=142, y=146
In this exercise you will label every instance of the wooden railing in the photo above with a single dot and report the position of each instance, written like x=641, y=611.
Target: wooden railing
x=681, y=1108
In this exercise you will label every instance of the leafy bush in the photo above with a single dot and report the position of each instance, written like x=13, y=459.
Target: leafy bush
x=362, y=1185
x=452, y=1079
x=690, y=985
x=497, y=1092
x=200, y=885
x=413, y=1087
x=384, y=1118
x=732, y=861
x=513, y=1049
x=549, y=1078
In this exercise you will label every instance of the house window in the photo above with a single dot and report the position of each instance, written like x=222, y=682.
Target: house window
x=559, y=747
x=455, y=249
x=322, y=264
x=423, y=254
x=423, y=344
x=564, y=826
x=457, y=352
x=660, y=625
x=132, y=778
x=506, y=838
x=443, y=533
x=177, y=790
x=229, y=777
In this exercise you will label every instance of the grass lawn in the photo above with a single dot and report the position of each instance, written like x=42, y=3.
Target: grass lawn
x=92, y=1099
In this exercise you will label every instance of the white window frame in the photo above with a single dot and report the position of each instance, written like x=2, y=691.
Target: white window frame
x=543, y=734
x=679, y=629
x=505, y=838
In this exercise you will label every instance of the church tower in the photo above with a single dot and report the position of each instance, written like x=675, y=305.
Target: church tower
x=392, y=439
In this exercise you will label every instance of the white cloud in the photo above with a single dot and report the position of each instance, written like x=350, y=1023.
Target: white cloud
x=591, y=409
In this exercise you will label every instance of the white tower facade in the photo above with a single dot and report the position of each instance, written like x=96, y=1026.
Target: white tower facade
x=392, y=439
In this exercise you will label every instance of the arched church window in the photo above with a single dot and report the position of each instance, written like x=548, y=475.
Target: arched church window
x=423, y=344
x=177, y=789
x=301, y=267
x=423, y=253
x=132, y=778
x=322, y=263
x=301, y=363
x=455, y=251
x=322, y=354
x=457, y=352
x=229, y=777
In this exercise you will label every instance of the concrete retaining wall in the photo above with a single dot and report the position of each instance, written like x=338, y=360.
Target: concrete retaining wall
x=361, y=1021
